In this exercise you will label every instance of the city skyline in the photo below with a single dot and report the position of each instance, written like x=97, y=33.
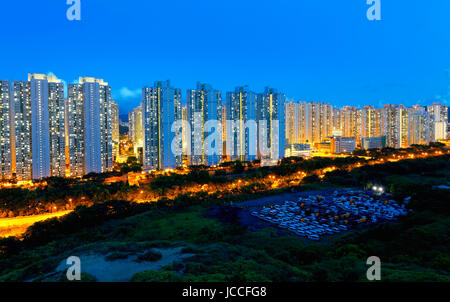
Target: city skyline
x=313, y=51
x=46, y=134
x=245, y=144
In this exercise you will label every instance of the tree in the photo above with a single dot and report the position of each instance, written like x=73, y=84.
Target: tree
x=238, y=167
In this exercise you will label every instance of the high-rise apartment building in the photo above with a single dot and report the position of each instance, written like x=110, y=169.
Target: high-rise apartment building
x=186, y=134
x=161, y=108
x=421, y=127
x=439, y=114
x=271, y=124
x=349, y=121
x=5, y=131
x=256, y=126
x=131, y=126
x=370, y=122
x=224, y=132
x=404, y=127
x=310, y=122
x=115, y=128
x=317, y=122
x=292, y=123
x=38, y=130
x=136, y=131
x=391, y=124
x=75, y=129
x=90, y=126
x=21, y=130
x=242, y=128
x=336, y=122
x=204, y=115
x=40, y=127
x=57, y=135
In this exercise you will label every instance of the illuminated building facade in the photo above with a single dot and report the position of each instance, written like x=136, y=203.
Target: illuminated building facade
x=90, y=127
x=40, y=138
x=309, y=122
x=292, y=123
x=204, y=105
x=349, y=121
x=391, y=124
x=405, y=132
x=21, y=130
x=136, y=132
x=75, y=129
x=242, y=129
x=57, y=135
x=186, y=134
x=316, y=121
x=161, y=107
x=370, y=122
x=38, y=127
x=224, y=132
x=5, y=131
x=336, y=122
x=421, y=127
x=115, y=128
x=303, y=150
x=399, y=126
x=271, y=124
x=439, y=114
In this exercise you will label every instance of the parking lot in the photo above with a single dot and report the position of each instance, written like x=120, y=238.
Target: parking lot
x=316, y=216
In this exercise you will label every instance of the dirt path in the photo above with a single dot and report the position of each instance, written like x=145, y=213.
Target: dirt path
x=122, y=270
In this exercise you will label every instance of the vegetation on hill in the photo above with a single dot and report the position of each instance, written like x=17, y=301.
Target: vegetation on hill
x=415, y=248
x=65, y=194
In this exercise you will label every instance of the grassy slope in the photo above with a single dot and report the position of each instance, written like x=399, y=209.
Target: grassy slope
x=226, y=252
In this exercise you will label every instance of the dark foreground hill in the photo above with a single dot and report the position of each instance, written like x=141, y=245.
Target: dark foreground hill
x=191, y=242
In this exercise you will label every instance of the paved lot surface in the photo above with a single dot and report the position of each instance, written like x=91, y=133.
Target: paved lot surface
x=277, y=199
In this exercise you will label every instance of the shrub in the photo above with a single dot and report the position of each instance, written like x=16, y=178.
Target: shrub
x=116, y=256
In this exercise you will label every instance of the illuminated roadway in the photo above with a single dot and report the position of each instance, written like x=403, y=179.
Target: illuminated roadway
x=26, y=221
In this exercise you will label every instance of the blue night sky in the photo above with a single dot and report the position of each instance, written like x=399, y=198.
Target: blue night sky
x=311, y=50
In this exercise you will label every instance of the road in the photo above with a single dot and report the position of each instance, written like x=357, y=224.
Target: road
x=24, y=222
